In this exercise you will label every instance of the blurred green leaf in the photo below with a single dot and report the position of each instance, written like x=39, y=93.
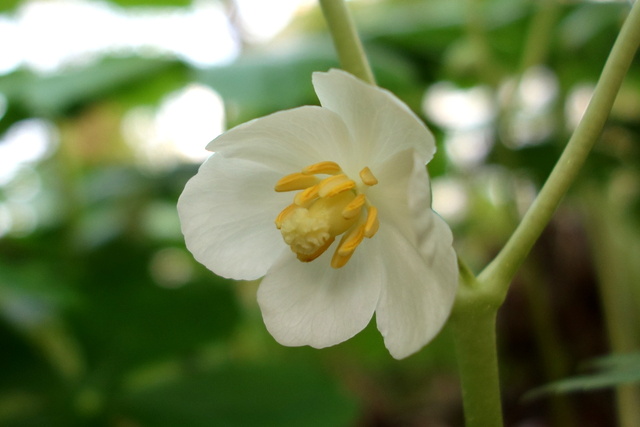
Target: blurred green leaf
x=588, y=20
x=588, y=31
x=32, y=303
x=537, y=160
x=8, y=5
x=614, y=362
x=408, y=17
x=612, y=370
x=29, y=294
x=60, y=93
x=127, y=319
x=261, y=84
x=234, y=395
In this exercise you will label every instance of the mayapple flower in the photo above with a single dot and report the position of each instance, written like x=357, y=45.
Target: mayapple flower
x=332, y=205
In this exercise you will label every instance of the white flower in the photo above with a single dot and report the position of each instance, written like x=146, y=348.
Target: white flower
x=352, y=169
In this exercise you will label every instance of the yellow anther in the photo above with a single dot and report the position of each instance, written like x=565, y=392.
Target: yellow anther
x=339, y=261
x=335, y=185
x=354, y=208
x=326, y=168
x=322, y=249
x=282, y=215
x=350, y=241
x=306, y=196
x=367, y=177
x=324, y=209
x=295, y=181
x=371, y=224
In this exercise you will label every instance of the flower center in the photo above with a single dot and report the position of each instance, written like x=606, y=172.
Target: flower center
x=326, y=207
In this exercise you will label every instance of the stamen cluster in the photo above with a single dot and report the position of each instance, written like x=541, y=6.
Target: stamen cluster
x=325, y=208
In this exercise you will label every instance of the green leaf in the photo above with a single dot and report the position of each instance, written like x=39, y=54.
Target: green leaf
x=612, y=371
x=614, y=362
x=262, y=84
x=8, y=5
x=60, y=93
x=259, y=84
x=127, y=319
x=278, y=395
x=590, y=19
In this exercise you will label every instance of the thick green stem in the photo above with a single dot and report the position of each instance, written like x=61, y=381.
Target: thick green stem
x=501, y=270
x=346, y=40
x=474, y=326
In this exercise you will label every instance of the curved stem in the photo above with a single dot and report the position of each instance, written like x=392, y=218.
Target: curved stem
x=346, y=40
x=501, y=270
x=478, y=300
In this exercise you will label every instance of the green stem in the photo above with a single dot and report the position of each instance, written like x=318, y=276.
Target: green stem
x=346, y=40
x=474, y=324
x=501, y=270
x=478, y=300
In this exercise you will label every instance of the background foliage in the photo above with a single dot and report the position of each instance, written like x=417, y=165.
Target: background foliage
x=106, y=320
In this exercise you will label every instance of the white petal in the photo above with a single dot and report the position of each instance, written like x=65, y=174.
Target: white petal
x=380, y=123
x=289, y=140
x=402, y=194
x=420, y=288
x=421, y=265
x=227, y=211
x=314, y=304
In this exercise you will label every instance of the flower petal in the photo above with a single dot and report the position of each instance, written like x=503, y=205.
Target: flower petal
x=402, y=183
x=420, y=288
x=421, y=265
x=227, y=211
x=380, y=123
x=289, y=140
x=314, y=304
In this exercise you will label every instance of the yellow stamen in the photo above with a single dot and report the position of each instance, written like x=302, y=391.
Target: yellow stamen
x=322, y=249
x=306, y=196
x=339, y=261
x=333, y=185
x=295, y=181
x=354, y=208
x=367, y=177
x=282, y=215
x=327, y=207
x=326, y=168
x=350, y=241
x=372, y=224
